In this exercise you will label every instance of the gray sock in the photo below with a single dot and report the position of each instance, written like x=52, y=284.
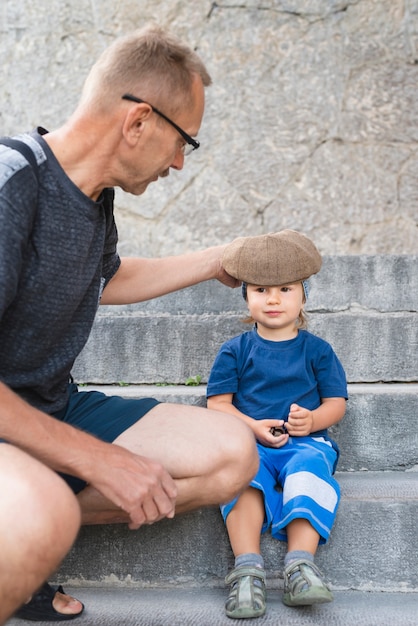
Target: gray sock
x=250, y=559
x=296, y=555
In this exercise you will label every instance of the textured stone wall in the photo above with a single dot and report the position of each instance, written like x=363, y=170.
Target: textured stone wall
x=311, y=123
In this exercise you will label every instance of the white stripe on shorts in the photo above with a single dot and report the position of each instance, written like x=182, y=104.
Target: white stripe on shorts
x=307, y=484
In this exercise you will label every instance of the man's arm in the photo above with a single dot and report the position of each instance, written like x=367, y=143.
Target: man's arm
x=139, y=279
x=128, y=480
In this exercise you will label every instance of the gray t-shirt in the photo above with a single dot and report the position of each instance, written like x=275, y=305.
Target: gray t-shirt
x=57, y=252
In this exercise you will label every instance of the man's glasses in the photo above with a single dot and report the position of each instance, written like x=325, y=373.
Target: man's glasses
x=190, y=145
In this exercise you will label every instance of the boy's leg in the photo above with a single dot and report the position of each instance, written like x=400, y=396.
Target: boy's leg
x=36, y=506
x=211, y=455
x=301, y=536
x=247, y=595
x=245, y=521
x=309, y=490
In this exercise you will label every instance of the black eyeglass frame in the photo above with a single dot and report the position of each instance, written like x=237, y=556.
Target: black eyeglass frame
x=187, y=138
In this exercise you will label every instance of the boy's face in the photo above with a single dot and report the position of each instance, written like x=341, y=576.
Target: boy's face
x=275, y=308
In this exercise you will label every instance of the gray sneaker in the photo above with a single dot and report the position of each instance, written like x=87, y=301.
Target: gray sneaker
x=304, y=585
x=247, y=596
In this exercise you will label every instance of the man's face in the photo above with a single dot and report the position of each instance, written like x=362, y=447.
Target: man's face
x=161, y=146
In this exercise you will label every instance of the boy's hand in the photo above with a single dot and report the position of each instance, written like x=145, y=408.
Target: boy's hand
x=264, y=433
x=300, y=421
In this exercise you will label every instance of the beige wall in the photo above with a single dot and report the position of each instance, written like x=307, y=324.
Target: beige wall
x=311, y=123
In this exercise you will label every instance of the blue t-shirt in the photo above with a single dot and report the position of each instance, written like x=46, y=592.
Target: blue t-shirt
x=266, y=377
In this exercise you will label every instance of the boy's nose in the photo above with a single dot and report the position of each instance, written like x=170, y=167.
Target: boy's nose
x=273, y=295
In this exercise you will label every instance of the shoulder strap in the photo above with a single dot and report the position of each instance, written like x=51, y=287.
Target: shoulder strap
x=24, y=149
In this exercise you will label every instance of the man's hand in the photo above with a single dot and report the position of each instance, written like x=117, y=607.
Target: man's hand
x=221, y=274
x=226, y=279
x=121, y=480
x=138, y=485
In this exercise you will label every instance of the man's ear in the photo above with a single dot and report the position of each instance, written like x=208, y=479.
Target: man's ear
x=134, y=122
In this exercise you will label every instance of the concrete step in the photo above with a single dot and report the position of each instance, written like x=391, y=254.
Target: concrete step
x=377, y=432
x=168, y=348
x=191, y=606
x=373, y=545
x=365, y=306
x=385, y=283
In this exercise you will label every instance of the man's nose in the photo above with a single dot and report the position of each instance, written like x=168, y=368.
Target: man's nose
x=178, y=161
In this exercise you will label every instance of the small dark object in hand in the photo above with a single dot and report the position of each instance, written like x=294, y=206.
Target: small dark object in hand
x=278, y=430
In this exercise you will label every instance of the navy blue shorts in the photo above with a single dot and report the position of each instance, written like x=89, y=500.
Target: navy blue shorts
x=105, y=417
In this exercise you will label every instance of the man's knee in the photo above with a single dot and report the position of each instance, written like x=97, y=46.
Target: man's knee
x=45, y=505
x=243, y=461
x=60, y=511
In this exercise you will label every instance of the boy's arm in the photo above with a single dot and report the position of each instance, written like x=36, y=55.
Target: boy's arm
x=303, y=422
x=223, y=402
x=261, y=428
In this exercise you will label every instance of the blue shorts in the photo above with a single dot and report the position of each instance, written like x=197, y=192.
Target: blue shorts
x=105, y=417
x=297, y=482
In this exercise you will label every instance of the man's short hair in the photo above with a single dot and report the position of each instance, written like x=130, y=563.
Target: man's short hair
x=152, y=64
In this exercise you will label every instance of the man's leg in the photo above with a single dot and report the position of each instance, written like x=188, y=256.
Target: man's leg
x=39, y=521
x=211, y=455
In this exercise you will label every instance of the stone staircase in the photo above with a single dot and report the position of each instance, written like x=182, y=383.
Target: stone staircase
x=172, y=573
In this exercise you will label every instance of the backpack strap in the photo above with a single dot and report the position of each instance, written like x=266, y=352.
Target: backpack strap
x=24, y=149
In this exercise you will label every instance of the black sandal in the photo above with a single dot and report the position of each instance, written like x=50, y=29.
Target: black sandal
x=40, y=608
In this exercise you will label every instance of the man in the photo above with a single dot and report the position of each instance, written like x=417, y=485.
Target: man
x=39, y=520
x=140, y=110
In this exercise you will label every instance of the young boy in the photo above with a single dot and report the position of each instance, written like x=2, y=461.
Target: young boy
x=289, y=387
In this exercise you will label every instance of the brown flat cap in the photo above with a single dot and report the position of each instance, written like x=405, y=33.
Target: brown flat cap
x=272, y=259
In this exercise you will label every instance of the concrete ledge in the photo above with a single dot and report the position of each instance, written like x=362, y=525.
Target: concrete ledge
x=166, y=348
x=365, y=306
x=205, y=607
x=373, y=545
x=385, y=283
x=375, y=434
x=377, y=282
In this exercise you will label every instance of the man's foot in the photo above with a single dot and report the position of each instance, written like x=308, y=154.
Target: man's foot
x=63, y=603
x=304, y=585
x=50, y=604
